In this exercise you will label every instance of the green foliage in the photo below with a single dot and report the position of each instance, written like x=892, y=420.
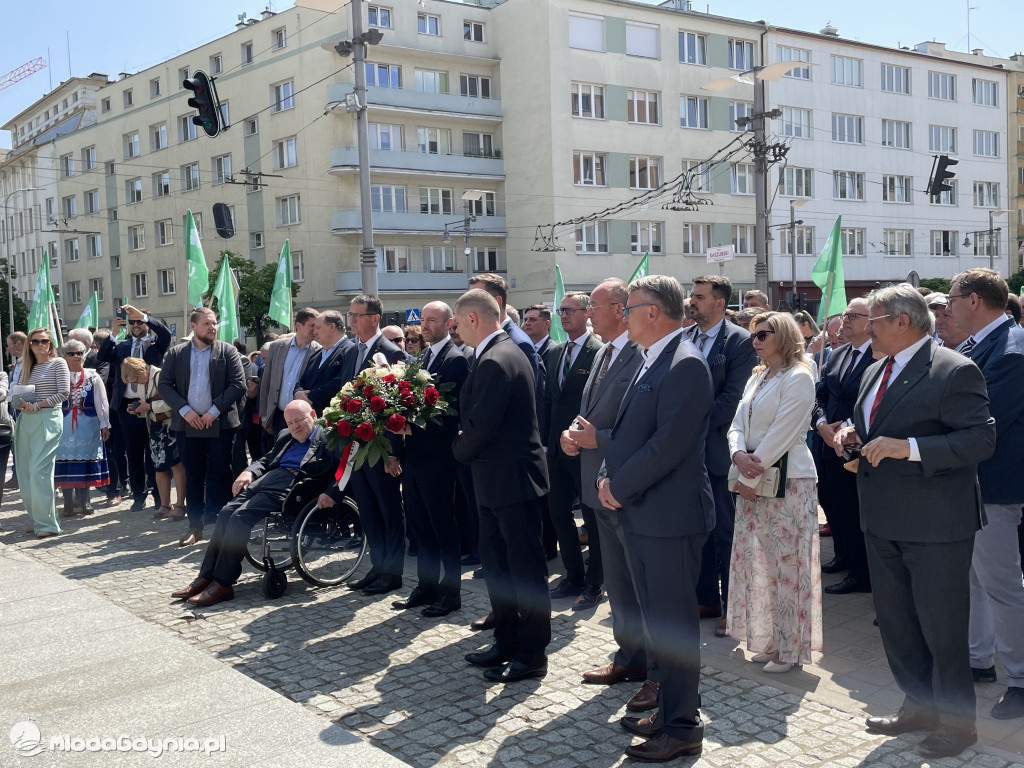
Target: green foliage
x=937, y=284
x=1016, y=281
x=20, y=308
x=255, y=285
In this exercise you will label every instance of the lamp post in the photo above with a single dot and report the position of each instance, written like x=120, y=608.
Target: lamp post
x=793, y=205
x=468, y=198
x=7, y=240
x=991, y=238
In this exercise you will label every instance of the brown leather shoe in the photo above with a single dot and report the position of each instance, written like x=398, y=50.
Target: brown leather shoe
x=212, y=595
x=645, y=698
x=663, y=748
x=710, y=611
x=614, y=673
x=642, y=726
x=484, y=622
x=194, y=588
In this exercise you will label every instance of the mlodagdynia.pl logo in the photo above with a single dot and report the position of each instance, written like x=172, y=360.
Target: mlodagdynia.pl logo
x=25, y=739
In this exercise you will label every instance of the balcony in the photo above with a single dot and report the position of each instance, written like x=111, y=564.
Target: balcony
x=346, y=159
x=350, y=222
x=404, y=282
x=404, y=99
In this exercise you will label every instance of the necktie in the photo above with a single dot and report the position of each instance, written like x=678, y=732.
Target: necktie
x=881, y=390
x=605, y=364
x=968, y=345
x=567, y=363
x=136, y=348
x=362, y=355
x=701, y=341
x=426, y=357
x=849, y=368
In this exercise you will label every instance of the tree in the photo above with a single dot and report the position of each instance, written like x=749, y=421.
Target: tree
x=1016, y=281
x=937, y=284
x=20, y=309
x=255, y=285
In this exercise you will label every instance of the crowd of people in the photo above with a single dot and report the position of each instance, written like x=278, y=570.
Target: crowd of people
x=695, y=442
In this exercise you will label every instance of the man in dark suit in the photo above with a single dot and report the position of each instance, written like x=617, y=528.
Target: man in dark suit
x=324, y=373
x=376, y=488
x=996, y=345
x=920, y=506
x=496, y=286
x=202, y=381
x=300, y=453
x=286, y=360
x=148, y=339
x=730, y=357
x=428, y=482
x=500, y=442
x=537, y=325
x=835, y=396
x=610, y=376
x=654, y=472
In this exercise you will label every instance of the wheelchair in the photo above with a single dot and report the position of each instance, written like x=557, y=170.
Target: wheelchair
x=326, y=546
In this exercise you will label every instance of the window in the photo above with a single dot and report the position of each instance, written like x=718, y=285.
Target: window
x=588, y=101
x=473, y=31
x=796, y=182
x=383, y=75
x=852, y=241
x=216, y=64
x=387, y=199
x=438, y=258
x=846, y=71
x=225, y=117
x=898, y=242
x=197, y=217
x=741, y=179
x=96, y=286
x=485, y=206
x=847, y=185
x=428, y=24
x=694, y=238
x=436, y=200
x=646, y=237
x=112, y=214
x=896, y=189
x=391, y=258
x=93, y=247
x=642, y=107
x=278, y=39
x=164, y=233
x=741, y=54
x=588, y=169
x=895, y=79
x=802, y=242
x=477, y=144
x=475, y=86
x=67, y=165
x=127, y=98
x=105, y=105
x=190, y=177
x=379, y=16
x=255, y=239
x=693, y=112
x=154, y=87
x=986, y=143
x=847, y=129
x=68, y=205
x=787, y=53
x=693, y=48
x=738, y=109
x=743, y=239
x=165, y=281
x=131, y=145
x=54, y=256
x=942, y=138
x=186, y=129
x=986, y=194
x=941, y=86
x=287, y=210
x=944, y=242
x=250, y=127
x=644, y=172
x=157, y=137
x=89, y=158
x=283, y=96
x=133, y=190
x=221, y=169
x=642, y=40
x=247, y=53
x=434, y=141
x=140, y=285
x=985, y=246
x=948, y=197
x=92, y=201
x=586, y=32
x=74, y=292
x=183, y=74
x=162, y=184
x=699, y=175
x=430, y=81
x=298, y=267
x=592, y=237
x=71, y=250
x=895, y=133
x=286, y=153
x=386, y=137
x=796, y=122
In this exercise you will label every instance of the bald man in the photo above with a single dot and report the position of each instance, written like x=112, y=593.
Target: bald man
x=300, y=453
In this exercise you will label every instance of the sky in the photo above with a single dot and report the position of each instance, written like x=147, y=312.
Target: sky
x=112, y=36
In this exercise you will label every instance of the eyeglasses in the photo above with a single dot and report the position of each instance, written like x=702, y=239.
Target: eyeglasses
x=602, y=306
x=626, y=310
x=879, y=317
x=414, y=338
x=568, y=311
x=852, y=315
x=760, y=335
x=136, y=322
x=73, y=354
x=952, y=296
x=361, y=314
x=39, y=342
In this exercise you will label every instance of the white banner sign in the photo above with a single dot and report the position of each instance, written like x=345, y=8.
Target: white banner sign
x=721, y=253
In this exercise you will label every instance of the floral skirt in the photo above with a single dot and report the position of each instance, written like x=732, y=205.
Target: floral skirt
x=162, y=446
x=775, y=574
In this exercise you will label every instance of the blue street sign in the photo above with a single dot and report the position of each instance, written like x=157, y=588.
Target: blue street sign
x=412, y=315
x=174, y=330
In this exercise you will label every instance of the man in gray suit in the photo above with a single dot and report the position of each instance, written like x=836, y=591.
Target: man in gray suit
x=285, y=361
x=920, y=506
x=654, y=472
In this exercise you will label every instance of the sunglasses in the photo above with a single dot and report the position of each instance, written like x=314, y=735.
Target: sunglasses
x=760, y=335
x=136, y=322
x=73, y=354
x=414, y=338
x=39, y=342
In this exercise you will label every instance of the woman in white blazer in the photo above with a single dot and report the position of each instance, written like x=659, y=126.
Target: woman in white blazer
x=775, y=575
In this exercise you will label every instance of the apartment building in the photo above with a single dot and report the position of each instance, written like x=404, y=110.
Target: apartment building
x=1016, y=97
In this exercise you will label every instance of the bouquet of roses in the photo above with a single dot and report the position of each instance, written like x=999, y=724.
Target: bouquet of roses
x=384, y=398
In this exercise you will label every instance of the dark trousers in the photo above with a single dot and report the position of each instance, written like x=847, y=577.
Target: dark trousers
x=664, y=572
x=564, y=478
x=516, y=576
x=238, y=460
x=254, y=441
x=117, y=461
x=208, y=477
x=837, y=494
x=466, y=513
x=5, y=453
x=223, y=560
x=627, y=620
x=922, y=598
x=380, y=513
x=136, y=444
x=717, y=552
x=428, y=485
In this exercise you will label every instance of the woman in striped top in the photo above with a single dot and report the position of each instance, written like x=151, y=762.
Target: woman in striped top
x=38, y=429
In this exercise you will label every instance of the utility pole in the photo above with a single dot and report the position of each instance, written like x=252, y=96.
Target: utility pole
x=761, y=192
x=367, y=254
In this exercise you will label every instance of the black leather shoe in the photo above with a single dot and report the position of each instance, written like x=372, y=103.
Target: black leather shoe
x=663, y=748
x=364, y=582
x=835, y=565
x=138, y=505
x=515, y=671
x=567, y=588
x=642, y=726
x=848, y=585
x=492, y=657
x=987, y=675
x=902, y=722
x=484, y=622
x=589, y=597
x=946, y=743
x=444, y=605
x=383, y=584
x=1010, y=706
x=419, y=596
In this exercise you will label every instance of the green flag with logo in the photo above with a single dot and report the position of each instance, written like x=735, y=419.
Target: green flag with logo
x=828, y=274
x=281, y=296
x=91, y=316
x=642, y=269
x=224, y=293
x=557, y=333
x=39, y=315
x=198, y=272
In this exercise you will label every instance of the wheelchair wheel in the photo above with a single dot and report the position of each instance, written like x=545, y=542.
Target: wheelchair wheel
x=328, y=544
x=275, y=532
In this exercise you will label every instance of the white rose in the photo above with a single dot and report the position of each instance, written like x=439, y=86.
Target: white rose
x=398, y=370
x=347, y=389
x=422, y=376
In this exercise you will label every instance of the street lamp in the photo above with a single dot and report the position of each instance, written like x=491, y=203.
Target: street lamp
x=793, y=205
x=991, y=238
x=7, y=240
x=468, y=198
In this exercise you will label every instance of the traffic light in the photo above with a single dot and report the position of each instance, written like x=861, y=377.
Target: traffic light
x=206, y=101
x=941, y=176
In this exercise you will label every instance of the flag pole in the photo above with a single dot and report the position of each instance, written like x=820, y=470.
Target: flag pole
x=828, y=299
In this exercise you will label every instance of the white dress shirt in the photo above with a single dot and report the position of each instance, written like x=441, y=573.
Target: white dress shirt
x=712, y=334
x=652, y=352
x=900, y=360
x=483, y=344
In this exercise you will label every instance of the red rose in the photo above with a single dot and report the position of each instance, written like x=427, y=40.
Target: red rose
x=431, y=395
x=377, y=404
x=365, y=431
x=389, y=379
x=353, y=405
x=396, y=422
x=408, y=400
x=368, y=390
x=404, y=386
x=344, y=428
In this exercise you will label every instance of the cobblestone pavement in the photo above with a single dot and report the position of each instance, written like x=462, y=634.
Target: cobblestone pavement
x=400, y=681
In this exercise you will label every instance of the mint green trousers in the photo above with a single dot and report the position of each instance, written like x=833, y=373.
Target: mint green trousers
x=36, y=436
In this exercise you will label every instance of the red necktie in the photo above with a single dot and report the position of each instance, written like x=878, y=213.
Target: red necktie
x=881, y=390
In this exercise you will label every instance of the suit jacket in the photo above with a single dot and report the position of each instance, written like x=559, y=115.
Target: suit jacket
x=834, y=400
x=273, y=374
x=500, y=441
x=655, y=455
x=601, y=410
x=227, y=382
x=562, y=401
x=325, y=380
x=115, y=353
x=545, y=345
x=434, y=442
x=939, y=399
x=1000, y=355
x=353, y=365
x=318, y=462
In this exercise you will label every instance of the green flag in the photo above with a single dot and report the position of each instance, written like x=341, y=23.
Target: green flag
x=281, y=296
x=198, y=273
x=40, y=316
x=224, y=292
x=121, y=335
x=557, y=333
x=642, y=269
x=828, y=274
x=91, y=316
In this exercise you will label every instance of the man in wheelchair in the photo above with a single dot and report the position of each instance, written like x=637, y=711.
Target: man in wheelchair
x=299, y=455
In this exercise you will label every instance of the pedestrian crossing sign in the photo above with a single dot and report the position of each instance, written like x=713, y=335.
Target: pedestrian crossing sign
x=412, y=316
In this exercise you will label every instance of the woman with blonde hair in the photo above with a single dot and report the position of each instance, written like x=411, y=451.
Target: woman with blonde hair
x=39, y=427
x=774, y=573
